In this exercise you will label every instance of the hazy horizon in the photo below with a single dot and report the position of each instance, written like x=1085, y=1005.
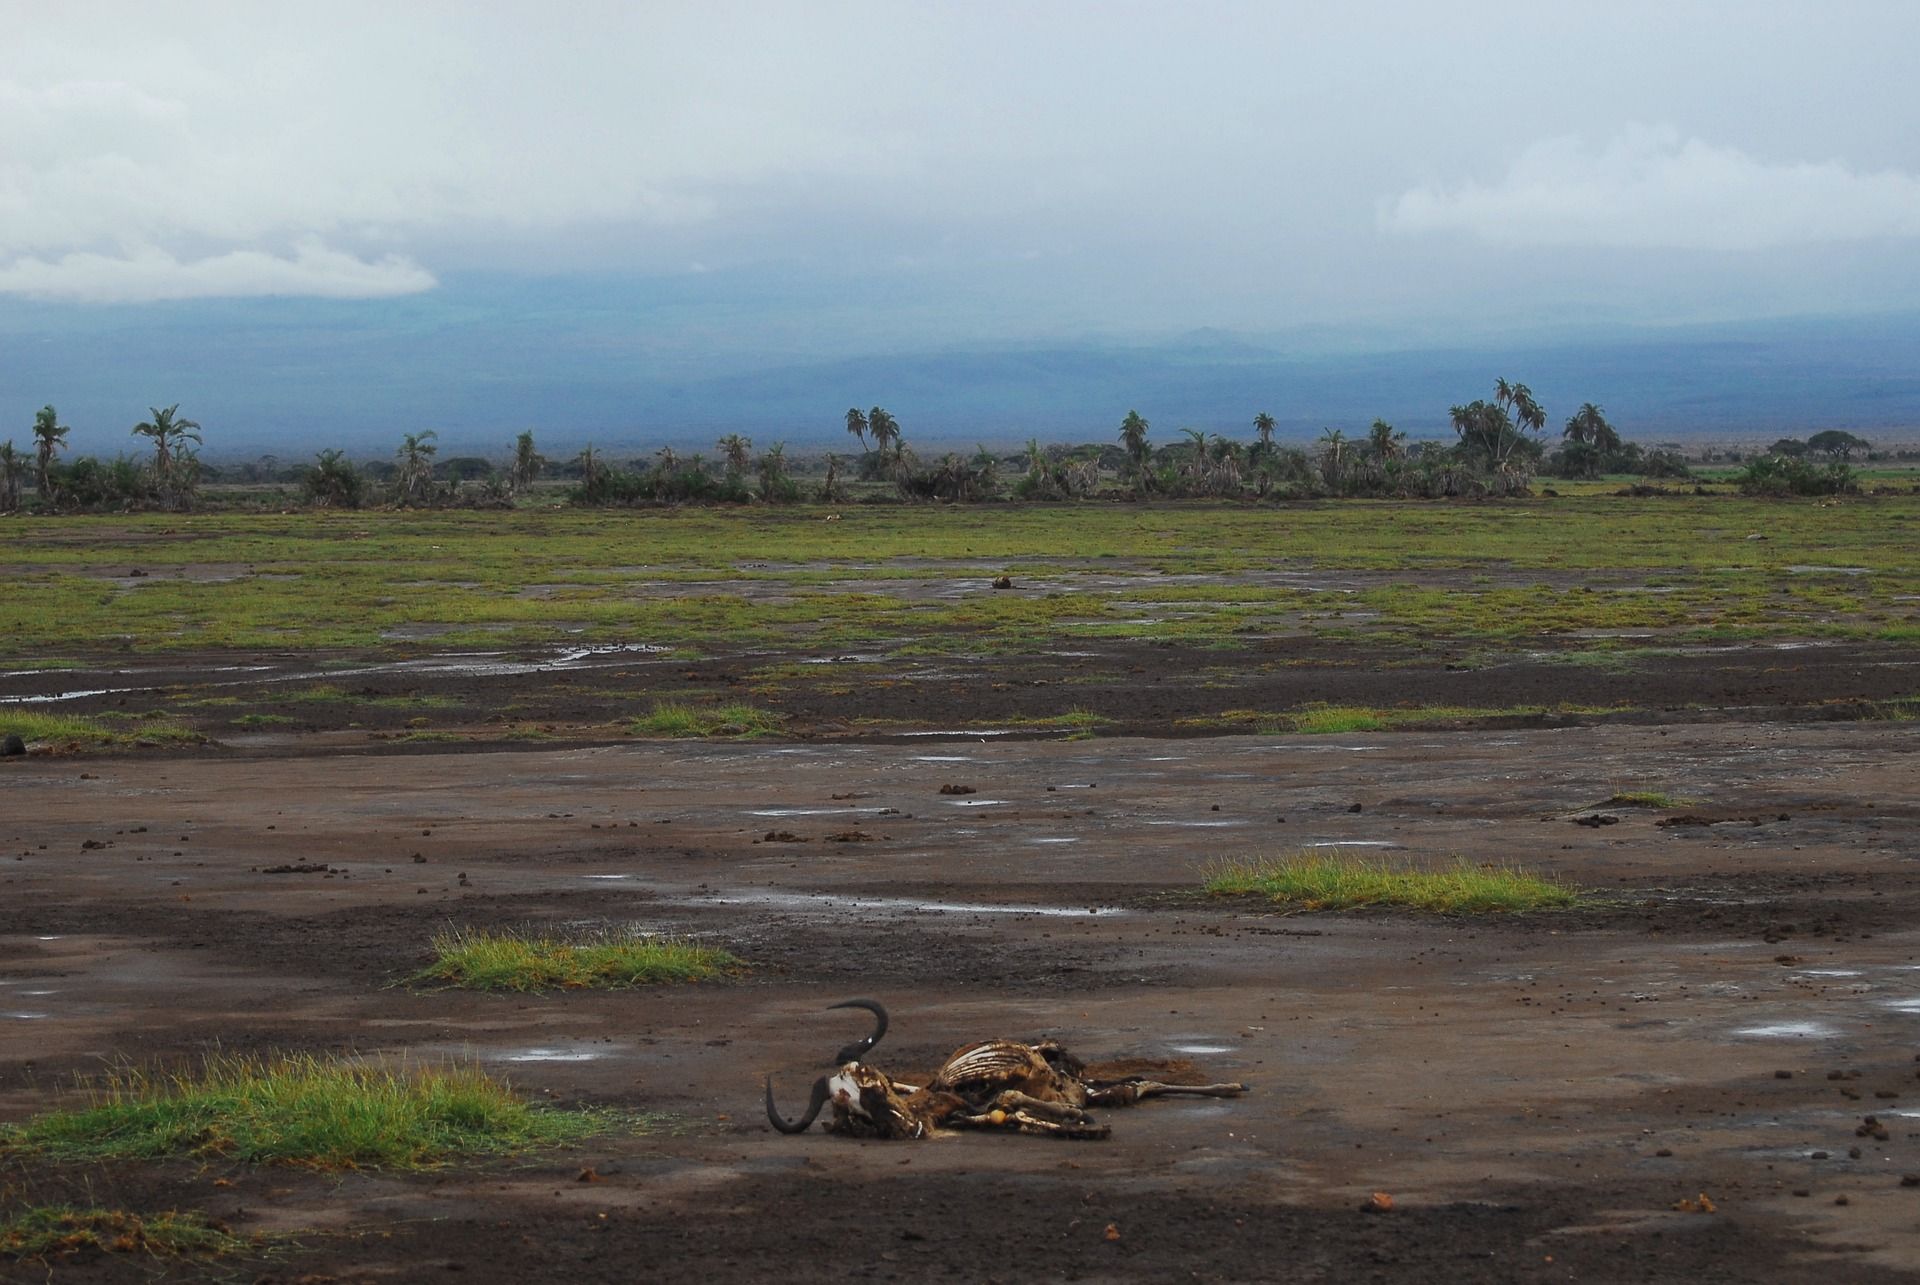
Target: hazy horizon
x=362, y=220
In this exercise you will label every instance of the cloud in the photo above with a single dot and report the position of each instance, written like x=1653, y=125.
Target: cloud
x=149, y=275
x=1650, y=188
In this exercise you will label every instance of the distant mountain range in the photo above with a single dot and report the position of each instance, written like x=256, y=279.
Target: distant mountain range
x=291, y=376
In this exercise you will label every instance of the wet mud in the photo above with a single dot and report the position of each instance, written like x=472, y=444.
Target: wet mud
x=1537, y=1096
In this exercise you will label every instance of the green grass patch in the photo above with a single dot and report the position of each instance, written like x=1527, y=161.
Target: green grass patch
x=491, y=961
x=71, y=730
x=263, y=720
x=1647, y=799
x=1334, y=881
x=57, y=1231
x=672, y=718
x=298, y=1110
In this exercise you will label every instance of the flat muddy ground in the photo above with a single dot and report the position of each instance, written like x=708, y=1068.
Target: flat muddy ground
x=1536, y=1094
x=296, y=749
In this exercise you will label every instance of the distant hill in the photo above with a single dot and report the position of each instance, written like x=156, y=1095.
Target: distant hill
x=481, y=363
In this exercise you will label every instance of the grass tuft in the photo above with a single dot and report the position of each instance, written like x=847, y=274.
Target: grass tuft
x=671, y=718
x=298, y=1110
x=1333, y=881
x=56, y=1231
x=505, y=962
x=1323, y=720
x=70, y=730
x=1647, y=799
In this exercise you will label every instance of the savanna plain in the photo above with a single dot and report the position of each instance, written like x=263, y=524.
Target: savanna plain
x=392, y=896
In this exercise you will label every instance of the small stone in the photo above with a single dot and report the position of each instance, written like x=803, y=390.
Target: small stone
x=1910, y=1180
x=1819, y=1155
x=1664, y=1151
x=1841, y=1200
x=1378, y=1203
x=1783, y=1075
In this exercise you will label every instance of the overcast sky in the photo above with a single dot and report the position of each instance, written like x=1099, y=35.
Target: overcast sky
x=993, y=169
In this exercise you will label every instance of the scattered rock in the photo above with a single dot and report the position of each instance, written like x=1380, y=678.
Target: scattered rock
x=299, y=868
x=1783, y=1075
x=1378, y=1203
x=1006, y=582
x=136, y=573
x=1594, y=820
x=1354, y=808
x=1910, y=1180
x=848, y=836
x=958, y=789
x=783, y=836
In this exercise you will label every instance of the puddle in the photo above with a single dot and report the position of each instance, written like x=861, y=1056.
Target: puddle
x=1350, y=843
x=1788, y=1031
x=943, y=758
x=805, y=812
x=1059, y=840
x=1828, y=972
x=1201, y=1048
x=828, y=904
x=606, y=876
x=977, y=803
x=1199, y=825
x=551, y=1055
x=24, y=1017
x=1901, y=1005
x=477, y=664
x=1812, y=569
x=965, y=731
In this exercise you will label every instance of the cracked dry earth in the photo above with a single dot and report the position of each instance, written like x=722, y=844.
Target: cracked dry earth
x=1535, y=1094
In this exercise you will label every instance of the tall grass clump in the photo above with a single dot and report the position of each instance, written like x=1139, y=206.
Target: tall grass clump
x=491, y=961
x=297, y=1110
x=672, y=718
x=1334, y=881
x=55, y=1231
x=1648, y=799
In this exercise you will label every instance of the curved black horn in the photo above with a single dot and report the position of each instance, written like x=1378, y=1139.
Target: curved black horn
x=820, y=1095
x=859, y=1049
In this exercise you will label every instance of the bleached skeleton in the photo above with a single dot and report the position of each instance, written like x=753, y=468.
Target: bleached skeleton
x=994, y=1084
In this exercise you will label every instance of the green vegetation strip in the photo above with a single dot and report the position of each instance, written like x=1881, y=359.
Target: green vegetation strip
x=1648, y=799
x=1332, y=881
x=54, y=1231
x=505, y=962
x=299, y=1110
x=67, y=730
x=671, y=718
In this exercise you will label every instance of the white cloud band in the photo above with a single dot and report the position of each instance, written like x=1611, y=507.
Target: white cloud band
x=1650, y=188
x=149, y=275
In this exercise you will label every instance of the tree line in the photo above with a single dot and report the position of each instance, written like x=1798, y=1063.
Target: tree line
x=1499, y=448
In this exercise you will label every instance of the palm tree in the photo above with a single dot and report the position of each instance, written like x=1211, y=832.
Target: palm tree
x=591, y=471
x=1197, y=462
x=49, y=436
x=1386, y=441
x=332, y=481
x=1226, y=454
x=857, y=425
x=12, y=466
x=1133, y=437
x=527, y=462
x=168, y=432
x=1263, y=429
x=415, y=479
x=774, y=484
x=886, y=432
x=737, y=450
x=1334, y=442
x=1589, y=426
